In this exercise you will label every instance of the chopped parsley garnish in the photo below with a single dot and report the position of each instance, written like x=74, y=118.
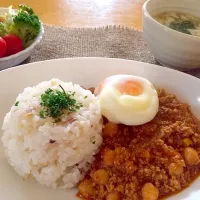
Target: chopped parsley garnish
x=55, y=102
x=85, y=97
x=17, y=103
x=42, y=115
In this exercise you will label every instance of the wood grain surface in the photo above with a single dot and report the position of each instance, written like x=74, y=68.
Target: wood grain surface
x=85, y=13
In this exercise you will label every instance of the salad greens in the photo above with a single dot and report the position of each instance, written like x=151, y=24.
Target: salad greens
x=22, y=22
x=3, y=29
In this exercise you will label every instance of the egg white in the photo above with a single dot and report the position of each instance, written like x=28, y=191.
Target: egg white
x=127, y=109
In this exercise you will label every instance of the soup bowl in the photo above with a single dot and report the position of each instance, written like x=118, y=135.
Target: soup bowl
x=171, y=48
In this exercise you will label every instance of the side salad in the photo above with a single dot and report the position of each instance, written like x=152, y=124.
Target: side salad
x=18, y=29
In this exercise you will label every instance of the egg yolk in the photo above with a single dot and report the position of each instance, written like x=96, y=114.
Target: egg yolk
x=128, y=87
x=132, y=88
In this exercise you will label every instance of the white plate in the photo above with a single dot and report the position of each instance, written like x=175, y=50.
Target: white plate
x=87, y=72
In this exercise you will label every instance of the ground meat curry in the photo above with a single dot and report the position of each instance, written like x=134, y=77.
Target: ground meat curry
x=146, y=162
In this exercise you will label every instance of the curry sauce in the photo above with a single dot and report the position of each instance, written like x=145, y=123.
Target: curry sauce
x=146, y=162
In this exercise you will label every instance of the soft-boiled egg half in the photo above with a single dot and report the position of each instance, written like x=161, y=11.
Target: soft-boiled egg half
x=127, y=99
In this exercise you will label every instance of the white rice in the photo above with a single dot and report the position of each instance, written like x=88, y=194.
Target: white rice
x=26, y=137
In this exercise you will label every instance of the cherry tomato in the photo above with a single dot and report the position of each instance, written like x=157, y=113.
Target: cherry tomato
x=14, y=44
x=3, y=47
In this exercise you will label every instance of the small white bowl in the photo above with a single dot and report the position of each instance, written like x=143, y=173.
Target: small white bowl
x=18, y=58
x=171, y=48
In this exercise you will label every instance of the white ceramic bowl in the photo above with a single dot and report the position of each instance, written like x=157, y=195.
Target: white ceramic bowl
x=171, y=48
x=18, y=58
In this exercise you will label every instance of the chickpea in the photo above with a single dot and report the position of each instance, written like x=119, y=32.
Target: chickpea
x=175, y=169
x=113, y=196
x=149, y=192
x=118, y=150
x=191, y=156
x=109, y=157
x=101, y=176
x=110, y=129
x=85, y=188
x=187, y=141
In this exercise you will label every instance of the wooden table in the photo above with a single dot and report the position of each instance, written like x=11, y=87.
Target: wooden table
x=85, y=13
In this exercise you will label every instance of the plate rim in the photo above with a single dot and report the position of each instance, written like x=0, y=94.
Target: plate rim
x=159, y=67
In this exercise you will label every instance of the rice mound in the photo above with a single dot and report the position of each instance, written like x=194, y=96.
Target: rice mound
x=56, y=155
